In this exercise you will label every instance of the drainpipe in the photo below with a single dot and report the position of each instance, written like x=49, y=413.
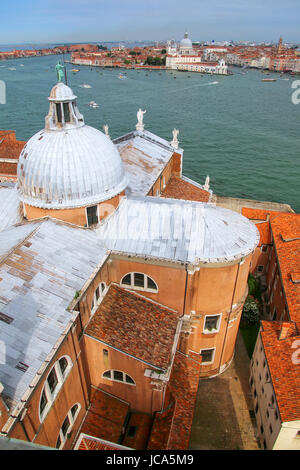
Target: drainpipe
x=234, y=290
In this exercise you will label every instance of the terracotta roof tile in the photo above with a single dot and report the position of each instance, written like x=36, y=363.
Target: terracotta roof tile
x=135, y=325
x=286, y=229
x=106, y=416
x=86, y=442
x=172, y=428
x=177, y=188
x=284, y=369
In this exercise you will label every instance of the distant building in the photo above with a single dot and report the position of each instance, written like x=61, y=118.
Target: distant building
x=185, y=57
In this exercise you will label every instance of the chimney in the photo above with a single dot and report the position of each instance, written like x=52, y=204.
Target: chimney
x=285, y=331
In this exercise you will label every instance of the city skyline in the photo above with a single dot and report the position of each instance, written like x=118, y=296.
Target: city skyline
x=96, y=21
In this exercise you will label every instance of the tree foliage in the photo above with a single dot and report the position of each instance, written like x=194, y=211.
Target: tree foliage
x=251, y=311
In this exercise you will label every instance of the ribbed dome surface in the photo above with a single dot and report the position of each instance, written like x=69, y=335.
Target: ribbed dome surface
x=186, y=42
x=69, y=168
x=62, y=92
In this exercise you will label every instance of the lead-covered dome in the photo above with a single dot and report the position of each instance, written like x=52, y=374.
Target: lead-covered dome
x=68, y=164
x=186, y=42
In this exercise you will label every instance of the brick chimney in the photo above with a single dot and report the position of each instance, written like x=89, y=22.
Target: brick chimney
x=285, y=331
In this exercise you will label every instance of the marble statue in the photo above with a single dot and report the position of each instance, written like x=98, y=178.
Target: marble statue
x=140, y=115
x=206, y=185
x=175, y=141
x=105, y=128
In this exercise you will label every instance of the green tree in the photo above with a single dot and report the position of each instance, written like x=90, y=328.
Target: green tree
x=251, y=311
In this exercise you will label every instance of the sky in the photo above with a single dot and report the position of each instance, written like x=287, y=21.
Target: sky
x=57, y=21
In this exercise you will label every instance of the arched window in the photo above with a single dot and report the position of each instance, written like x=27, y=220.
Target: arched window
x=118, y=376
x=98, y=296
x=139, y=281
x=53, y=384
x=67, y=425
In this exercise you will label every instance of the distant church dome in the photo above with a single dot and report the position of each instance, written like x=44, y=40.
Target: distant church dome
x=186, y=42
x=68, y=164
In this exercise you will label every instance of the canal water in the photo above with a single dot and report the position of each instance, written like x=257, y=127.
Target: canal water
x=242, y=132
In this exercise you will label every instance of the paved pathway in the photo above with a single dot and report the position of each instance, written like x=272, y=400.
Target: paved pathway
x=222, y=420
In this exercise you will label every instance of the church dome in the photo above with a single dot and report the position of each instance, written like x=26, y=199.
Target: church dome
x=186, y=42
x=68, y=164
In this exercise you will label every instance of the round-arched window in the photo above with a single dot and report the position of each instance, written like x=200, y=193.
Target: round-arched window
x=67, y=425
x=139, y=281
x=98, y=296
x=118, y=376
x=53, y=384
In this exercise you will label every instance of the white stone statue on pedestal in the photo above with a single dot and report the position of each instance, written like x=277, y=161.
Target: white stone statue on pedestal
x=140, y=115
x=105, y=128
x=175, y=141
x=206, y=185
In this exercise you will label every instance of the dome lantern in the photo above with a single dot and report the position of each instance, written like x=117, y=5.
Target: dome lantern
x=63, y=111
x=68, y=164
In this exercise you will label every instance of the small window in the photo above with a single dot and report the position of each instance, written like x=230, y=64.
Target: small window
x=207, y=355
x=131, y=431
x=126, y=280
x=272, y=400
x=107, y=374
x=63, y=365
x=260, y=268
x=129, y=379
x=74, y=410
x=271, y=429
x=52, y=380
x=92, y=215
x=65, y=426
x=139, y=280
x=256, y=408
x=264, y=248
x=212, y=323
x=118, y=375
x=44, y=401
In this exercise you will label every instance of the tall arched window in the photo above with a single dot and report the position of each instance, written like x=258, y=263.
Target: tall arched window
x=98, y=296
x=53, y=384
x=118, y=376
x=67, y=425
x=139, y=281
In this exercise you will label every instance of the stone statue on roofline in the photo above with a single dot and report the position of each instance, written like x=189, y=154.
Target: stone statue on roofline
x=60, y=71
x=105, y=128
x=140, y=116
x=175, y=141
x=206, y=184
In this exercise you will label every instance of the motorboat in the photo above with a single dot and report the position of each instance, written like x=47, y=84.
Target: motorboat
x=93, y=104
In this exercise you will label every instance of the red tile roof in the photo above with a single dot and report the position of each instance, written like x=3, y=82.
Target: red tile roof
x=172, y=428
x=286, y=235
x=282, y=358
x=10, y=148
x=86, y=442
x=177, y=188
x=106, y=416
x=135, y=325
x=258, y=216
